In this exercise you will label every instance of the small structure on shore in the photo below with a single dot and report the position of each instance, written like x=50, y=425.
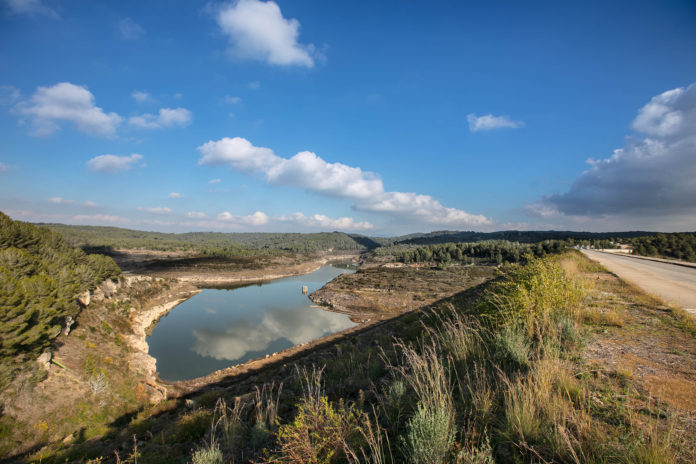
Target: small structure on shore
x=304, y=289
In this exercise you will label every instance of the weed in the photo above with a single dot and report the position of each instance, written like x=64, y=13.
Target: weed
x=430, y=434
x=207, y=455
x=512, y=348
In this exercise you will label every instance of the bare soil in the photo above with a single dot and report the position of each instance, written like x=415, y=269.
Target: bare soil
x=203, y=271
x=382, y=292
x=651, y=351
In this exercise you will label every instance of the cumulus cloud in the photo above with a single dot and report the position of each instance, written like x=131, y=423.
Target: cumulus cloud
x=4, y=167
x=9, y=94
x=100, y=219
x=247, y=336
x=259, y=218
x=167, y=117
x=61, y=201
x=129, y=29
x=308, y=171
x=66, y=102
x=196, y=215
x=174, y=195
x=157, y=210
x=325, y=222
x=112, y=164
x=214, y=181
x=141, y=97
x=489, y=122
x=232, y=100
x=257, y=30
x=31, y=8
x=650, y=177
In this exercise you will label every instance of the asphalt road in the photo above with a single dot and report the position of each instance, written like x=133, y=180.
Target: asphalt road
x=673, y=283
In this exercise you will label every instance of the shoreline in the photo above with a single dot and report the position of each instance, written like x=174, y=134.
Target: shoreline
x=145, y=321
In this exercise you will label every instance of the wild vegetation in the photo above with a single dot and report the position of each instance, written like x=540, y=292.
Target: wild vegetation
x=515, y=370
x=40, y=277
x=678, y=245
x=211, y=243
x=511, y=372
x=520, y=236
x=490, y=252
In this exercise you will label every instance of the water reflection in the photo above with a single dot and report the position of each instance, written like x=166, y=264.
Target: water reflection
x=297, y=325
x=218, y=328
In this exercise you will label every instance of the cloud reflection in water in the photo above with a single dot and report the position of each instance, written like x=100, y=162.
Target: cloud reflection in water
x=297, y=325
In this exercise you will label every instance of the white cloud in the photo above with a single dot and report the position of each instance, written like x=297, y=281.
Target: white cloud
x=232, y=100
x=259, y=218
x=421, y=208
x=489, y=122
x=196, y=215
x=90, y=204
x=174, y=195
x=235, y=341
x=112, y=164
x=238, y=153
x=541, y=210
x=9, y=94
x=648, y=178
x=4, y=167
x=308, y=171
x=214, y=181
x=31, y=8
x=129, y=29
x=254, y=85
x=167, y=117
x=61, y=201
x=158, y=210
x=325, y=222
x=141, y=97
x=668, y=115
x=257, y=30
x=66, y=102
x=100, y=219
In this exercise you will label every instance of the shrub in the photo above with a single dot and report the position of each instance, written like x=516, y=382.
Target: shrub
x=430, y=435
x=512, y=348
x=207, y=455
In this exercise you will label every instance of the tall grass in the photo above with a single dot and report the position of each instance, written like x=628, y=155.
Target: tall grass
x=498, y=381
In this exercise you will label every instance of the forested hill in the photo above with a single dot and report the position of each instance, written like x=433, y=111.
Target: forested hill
x=521, y=236
x=40, y=277
x=211, y=242
x=674, y=245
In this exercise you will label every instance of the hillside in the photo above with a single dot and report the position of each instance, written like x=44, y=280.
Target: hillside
x=555, y=361
x=210, y=242
x=40, y=278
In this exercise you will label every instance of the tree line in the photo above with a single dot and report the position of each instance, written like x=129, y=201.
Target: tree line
x=489, y=251
x=674, y=245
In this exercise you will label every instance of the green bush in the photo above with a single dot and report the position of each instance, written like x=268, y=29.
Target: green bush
x=430, y=435
x=207, y=455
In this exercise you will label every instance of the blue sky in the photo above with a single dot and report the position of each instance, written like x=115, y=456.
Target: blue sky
x=371, y=117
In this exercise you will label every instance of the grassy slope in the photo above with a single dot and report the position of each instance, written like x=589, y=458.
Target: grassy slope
x=557, y=362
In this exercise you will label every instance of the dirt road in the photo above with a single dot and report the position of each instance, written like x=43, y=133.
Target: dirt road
x=673, y=283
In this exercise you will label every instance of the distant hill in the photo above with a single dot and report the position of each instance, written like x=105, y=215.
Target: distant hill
x=447, y=236
x=221, y=243
x=94, y=237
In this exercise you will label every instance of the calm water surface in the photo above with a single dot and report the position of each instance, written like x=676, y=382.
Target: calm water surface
x=218, y=328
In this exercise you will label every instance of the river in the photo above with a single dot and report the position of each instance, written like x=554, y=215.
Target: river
x=218, y=328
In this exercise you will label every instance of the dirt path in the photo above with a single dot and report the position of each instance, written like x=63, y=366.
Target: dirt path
x=673, y=283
